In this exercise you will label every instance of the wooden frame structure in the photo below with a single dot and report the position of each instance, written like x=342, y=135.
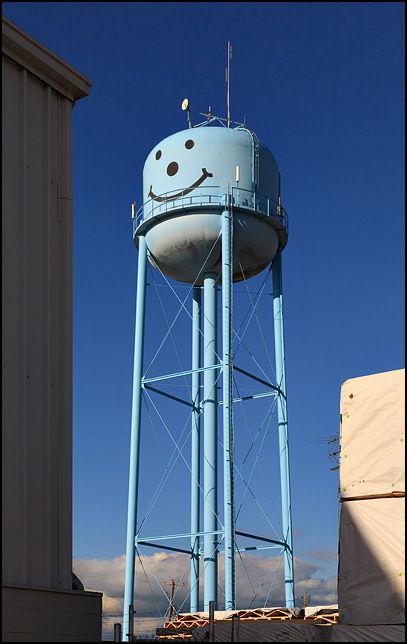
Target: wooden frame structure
x=185, y=623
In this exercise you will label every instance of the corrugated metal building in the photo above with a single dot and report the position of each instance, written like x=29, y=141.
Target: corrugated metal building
x=39, y=599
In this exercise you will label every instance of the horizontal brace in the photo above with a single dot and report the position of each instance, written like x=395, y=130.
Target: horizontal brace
x=189, y=552
x=257, y=538
x=180, y=536
x=260, y=548
x=180, y=400
x=159, y=545
x=275, y=544
x=180, y=374
x=265, y=394
x=263, y=382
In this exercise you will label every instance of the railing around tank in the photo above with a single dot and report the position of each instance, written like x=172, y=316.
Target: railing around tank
x=212, y=196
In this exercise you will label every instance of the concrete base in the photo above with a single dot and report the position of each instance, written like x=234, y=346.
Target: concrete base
x=48, y=615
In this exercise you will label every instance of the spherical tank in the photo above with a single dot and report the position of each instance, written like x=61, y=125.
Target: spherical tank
x=188, y=180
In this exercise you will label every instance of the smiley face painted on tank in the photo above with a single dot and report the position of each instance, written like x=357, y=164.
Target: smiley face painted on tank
x=171, y=169
x=201, y=161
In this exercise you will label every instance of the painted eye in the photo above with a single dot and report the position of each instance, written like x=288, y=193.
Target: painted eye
x=189, y=144
x=158, y=154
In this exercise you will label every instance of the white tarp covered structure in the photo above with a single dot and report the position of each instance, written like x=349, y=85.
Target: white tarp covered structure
x=372, y=435
x=372, y=486
x=258, y=631
x=371, y=562
x=313, y=611
x=287, y=631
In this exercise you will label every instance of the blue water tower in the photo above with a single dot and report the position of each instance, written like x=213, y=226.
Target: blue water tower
x=211, y=216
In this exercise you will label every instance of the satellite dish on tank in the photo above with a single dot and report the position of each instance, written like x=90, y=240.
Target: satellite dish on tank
x=185, y=106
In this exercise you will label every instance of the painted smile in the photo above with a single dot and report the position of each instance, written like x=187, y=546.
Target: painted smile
x=205, y=175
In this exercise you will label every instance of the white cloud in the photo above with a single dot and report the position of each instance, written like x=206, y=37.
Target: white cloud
x=323, y=554
x=260, y=582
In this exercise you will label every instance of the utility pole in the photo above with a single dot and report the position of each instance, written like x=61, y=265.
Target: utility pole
x=306, y=599
x=171, y=607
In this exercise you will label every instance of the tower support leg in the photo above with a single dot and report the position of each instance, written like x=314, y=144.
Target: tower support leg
x=228, y=438
x=135, y=434
x=195, y=449
x=210, y=442
x=283, y=430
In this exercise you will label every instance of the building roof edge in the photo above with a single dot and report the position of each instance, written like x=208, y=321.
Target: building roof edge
x=42, y=62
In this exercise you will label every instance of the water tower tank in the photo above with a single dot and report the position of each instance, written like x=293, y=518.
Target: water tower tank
x=186, y=181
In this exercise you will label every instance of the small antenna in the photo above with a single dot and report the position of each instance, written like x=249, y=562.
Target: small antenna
x=228, y=80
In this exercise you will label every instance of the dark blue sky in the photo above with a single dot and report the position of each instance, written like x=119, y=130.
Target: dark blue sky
x=322, y=86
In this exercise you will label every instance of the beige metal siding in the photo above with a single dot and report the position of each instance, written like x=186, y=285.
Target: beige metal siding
x=37, y=331
x=38, y=615
x=39, y=604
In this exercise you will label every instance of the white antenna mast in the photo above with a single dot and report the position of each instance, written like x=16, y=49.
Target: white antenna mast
x=228, y=80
